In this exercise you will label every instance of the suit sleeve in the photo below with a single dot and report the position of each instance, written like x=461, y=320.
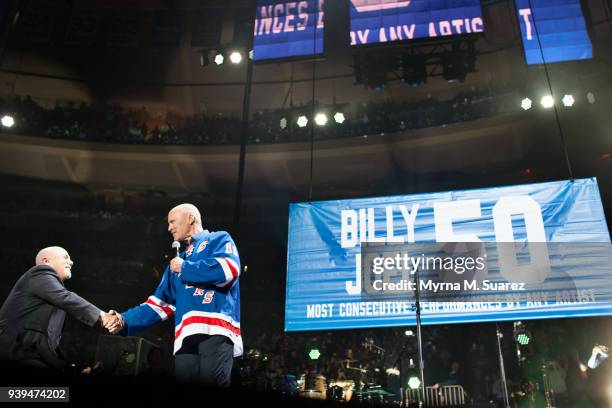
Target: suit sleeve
x=220, y=266
x=156, y=308
x=47, y=286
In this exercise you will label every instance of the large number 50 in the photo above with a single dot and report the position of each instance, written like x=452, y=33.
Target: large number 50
x=445, y=213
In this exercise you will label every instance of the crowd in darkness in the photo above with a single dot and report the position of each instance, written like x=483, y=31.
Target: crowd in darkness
x=454, y=355
x=112, y=123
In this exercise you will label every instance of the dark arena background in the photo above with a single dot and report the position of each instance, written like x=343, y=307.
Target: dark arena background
x=113, y=112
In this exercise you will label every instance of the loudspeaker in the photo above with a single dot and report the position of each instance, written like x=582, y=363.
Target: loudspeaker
x=123, y=355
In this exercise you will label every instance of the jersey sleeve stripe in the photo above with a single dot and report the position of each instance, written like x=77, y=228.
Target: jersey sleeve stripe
x=208, y=321
x=160, y=302
x=163, y=311
x=230, y=269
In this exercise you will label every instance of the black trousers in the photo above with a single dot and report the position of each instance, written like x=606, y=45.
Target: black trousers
x=206, y=360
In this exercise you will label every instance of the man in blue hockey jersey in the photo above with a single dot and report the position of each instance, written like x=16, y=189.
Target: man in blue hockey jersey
x=200, y=288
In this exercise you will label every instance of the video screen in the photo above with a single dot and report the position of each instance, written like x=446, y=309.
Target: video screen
x=553, y=31
x=381, y=21
x=285, y=29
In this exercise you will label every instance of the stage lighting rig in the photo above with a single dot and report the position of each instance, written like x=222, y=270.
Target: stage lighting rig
x=414, y=70
x=220, y=55
x=302, y=121
x=339, y=118
x=547, y=102
x=314, y=354
x=219, y=58
x=7, y=121
x=414, y=382
x=526, y=104
x=454, y=67
x=568, y=101
x=415, y=63
x=204, y=59
x=321, y=119
x=235, y=57
x=370, y=70
x=591, y=98
x=521, y=335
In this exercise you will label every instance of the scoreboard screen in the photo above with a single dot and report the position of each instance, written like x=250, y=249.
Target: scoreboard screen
x=380, y=21
x=285, y=29
x=553, y=31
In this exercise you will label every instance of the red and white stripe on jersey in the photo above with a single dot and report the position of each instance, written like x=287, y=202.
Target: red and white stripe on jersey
x=230, y=269
x=196, y=322
x=163, y=309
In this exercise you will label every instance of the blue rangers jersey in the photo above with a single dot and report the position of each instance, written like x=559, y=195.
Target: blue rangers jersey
x=204, y=298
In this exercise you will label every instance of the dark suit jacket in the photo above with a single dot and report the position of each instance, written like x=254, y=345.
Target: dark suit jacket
x=32, y=317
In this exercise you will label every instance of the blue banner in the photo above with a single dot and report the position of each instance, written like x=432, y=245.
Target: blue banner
x=561, y=225
x=286, y=29
x=555, y=29
x=377, y=21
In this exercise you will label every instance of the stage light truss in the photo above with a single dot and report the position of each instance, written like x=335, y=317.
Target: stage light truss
x=413, y=64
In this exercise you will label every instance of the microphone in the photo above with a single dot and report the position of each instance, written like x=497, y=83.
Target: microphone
x=176, y=245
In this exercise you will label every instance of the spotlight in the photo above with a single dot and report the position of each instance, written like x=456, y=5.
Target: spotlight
x=370, y=71
x=302, y=121
x=522, y=339
x=339, y=117
x=409, y=333
x=283, y=123
x=235, y=57
x=547, y=102
x=314, y=354
x=521, y=334
x=321, y=119
x=454, y=67
x=7, y=121
x=414, y=382
x=251, y=54
x=414, y=71
x=204, y=59
x=526, y=104
x=591, y=98
x=568, y=101
x=219, y=59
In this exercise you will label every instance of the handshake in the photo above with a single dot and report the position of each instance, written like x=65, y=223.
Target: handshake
x=112, y=321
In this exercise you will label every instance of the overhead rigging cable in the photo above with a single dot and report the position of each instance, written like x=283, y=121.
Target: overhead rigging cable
x=557, y=119
x=312, y=106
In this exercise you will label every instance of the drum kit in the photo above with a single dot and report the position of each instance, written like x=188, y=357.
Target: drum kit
x=356, y=389
x=361, y=383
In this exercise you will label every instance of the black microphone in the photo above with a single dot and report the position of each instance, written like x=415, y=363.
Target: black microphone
x=176, y=245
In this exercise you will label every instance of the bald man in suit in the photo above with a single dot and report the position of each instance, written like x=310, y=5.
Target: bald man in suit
x=32, y=317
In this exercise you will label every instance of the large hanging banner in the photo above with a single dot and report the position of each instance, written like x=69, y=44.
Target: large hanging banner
x=507, y=253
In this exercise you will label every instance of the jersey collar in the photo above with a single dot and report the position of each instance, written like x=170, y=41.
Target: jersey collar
x=200, y=235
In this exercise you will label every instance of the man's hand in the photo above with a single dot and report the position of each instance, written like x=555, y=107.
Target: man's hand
x=598, y=356
x=112, y=321
x=599, y=349
x=176, y=265
x=105, y=318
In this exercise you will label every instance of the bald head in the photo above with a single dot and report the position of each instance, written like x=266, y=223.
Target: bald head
x=58, y=258
x=184, y=221
x=189, y=209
